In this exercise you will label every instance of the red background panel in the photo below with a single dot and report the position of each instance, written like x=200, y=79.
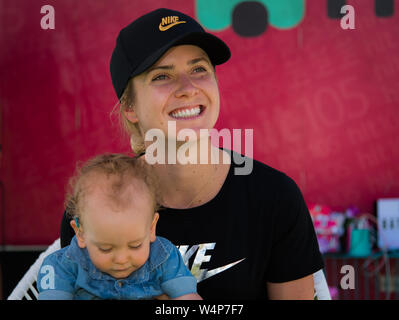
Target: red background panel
x=323, y=103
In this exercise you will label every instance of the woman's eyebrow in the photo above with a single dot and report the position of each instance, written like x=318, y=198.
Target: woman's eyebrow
x=168, y=67
x=196, y=60
x=171, y=67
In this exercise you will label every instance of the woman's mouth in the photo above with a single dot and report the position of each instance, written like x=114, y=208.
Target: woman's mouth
x=186, y=113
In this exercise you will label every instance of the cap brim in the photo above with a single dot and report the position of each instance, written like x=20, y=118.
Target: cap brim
x=216, y=49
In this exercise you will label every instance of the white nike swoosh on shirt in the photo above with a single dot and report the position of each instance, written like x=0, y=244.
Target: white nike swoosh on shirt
x=210, y=273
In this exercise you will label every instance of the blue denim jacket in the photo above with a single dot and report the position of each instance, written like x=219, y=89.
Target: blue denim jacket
x=69, y=274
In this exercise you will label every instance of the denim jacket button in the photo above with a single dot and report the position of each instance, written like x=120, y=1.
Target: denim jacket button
x=120, y=283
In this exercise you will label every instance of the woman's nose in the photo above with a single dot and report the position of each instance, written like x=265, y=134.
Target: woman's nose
x=185, y=87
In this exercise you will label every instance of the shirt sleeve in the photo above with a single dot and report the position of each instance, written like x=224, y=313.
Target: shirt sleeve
x=56, y=278
x=295, y=251
x=176, y=279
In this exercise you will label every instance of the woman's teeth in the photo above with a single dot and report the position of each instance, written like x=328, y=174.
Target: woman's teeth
x=186, y=113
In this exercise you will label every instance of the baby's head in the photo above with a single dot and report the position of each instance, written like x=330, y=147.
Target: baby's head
x=113, y=205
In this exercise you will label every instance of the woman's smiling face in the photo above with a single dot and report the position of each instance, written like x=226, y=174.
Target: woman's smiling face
x=182, y=87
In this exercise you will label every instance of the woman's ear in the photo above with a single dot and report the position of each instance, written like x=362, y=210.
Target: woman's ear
x=131, y=115
x=79, y=234
x=153, y=235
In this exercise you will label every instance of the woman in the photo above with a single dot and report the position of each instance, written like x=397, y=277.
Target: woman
x=242, y=236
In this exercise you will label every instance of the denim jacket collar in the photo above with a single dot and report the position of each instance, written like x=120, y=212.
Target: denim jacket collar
x=158, y=255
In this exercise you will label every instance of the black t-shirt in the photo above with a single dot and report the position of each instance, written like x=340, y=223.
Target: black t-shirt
x=256, y=230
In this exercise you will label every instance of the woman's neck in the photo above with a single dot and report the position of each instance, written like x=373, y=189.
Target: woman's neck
x=192, y=184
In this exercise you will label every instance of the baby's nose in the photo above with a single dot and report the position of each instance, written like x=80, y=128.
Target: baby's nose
x=121, y=257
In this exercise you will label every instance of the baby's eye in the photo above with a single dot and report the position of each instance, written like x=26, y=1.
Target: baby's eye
x=105, y=250
x=135, y=247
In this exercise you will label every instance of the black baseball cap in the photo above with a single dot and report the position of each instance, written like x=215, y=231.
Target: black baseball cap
x=140, y=44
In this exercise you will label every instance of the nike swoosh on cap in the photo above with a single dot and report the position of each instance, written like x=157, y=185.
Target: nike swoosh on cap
x=164, y=28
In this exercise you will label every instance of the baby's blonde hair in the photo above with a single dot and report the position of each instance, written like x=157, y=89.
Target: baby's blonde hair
x=121, y=171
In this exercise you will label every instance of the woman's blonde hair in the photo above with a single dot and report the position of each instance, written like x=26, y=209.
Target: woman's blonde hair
x=119, y=168
x=126, y=103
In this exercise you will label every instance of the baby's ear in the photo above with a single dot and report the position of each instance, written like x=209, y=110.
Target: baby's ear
x=153, y=236
x=79, y=234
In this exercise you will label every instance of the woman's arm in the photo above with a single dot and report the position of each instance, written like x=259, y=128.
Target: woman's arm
x=66, y=231
x=300, y=289
x=190, y=296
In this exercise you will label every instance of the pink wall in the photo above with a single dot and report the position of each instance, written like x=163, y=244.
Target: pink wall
x=323, y=103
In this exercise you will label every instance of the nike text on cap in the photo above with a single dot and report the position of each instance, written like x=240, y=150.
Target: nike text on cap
x=145, y=40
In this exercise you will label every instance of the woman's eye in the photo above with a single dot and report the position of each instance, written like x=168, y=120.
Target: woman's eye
x=160, y=77
x=199, y=69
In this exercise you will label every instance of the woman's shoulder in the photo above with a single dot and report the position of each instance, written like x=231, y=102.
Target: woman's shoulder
x=256, y=171
x=263, y=184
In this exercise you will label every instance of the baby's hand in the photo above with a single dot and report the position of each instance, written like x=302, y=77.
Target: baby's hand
x=162, y=297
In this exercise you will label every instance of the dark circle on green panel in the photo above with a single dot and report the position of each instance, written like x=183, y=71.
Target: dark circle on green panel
x=249, y=19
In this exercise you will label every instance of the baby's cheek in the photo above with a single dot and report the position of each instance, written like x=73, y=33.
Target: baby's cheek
x=100, y=261
x=142, y=256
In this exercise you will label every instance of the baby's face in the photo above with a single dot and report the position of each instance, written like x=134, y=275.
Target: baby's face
x=118, y=238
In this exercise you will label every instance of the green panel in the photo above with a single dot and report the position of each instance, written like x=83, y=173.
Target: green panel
x=285, y=14
x=215, y=14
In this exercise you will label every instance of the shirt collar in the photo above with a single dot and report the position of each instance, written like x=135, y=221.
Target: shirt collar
x=159, y=253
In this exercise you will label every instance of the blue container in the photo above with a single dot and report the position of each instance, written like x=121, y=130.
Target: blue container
x=360, y=245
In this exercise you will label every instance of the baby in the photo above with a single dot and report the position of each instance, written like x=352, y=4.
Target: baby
x=115, y=253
